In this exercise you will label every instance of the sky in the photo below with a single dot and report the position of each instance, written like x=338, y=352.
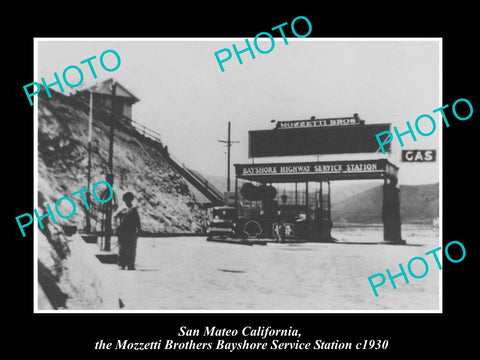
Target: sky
x=187, y=98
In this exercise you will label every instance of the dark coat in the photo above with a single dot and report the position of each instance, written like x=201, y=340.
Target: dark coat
x=127, y=232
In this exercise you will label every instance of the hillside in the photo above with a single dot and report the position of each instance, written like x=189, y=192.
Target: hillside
x=165, y=201
x=66, y=272
x=418, y=204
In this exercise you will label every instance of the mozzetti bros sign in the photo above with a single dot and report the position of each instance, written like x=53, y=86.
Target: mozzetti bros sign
x=310, y=137
x=318, y=123
x=335, y=169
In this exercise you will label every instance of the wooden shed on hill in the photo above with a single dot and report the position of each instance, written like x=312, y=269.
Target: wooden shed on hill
x=102, y=97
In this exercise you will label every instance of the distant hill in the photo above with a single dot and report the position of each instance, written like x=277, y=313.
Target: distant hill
x=220, y=182
x=418, y=204
x=343, y=190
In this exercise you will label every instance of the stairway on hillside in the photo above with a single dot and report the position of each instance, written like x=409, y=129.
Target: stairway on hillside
x=214, y=195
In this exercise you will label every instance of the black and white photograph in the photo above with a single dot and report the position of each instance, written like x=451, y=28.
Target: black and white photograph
x=276, y=184
x=222, y=181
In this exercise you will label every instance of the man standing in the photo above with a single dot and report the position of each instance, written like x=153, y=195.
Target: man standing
x=127, y=232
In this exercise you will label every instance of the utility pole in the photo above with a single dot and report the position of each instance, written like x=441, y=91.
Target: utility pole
x=229, y=143
x=108, y=217
x=88, y=225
